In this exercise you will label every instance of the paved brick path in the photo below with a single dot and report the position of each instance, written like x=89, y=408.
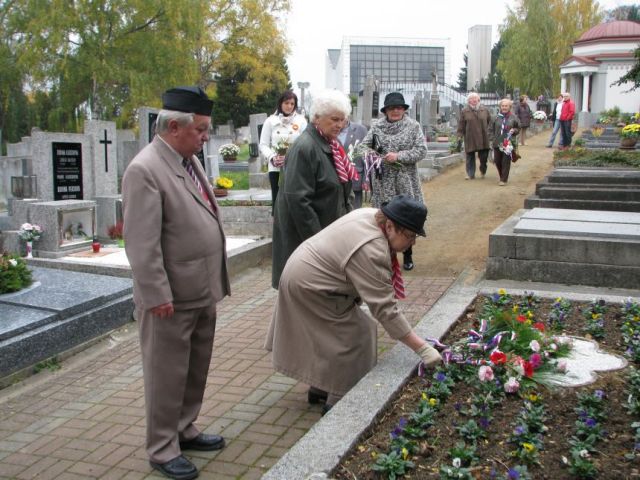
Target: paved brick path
x=86, y=420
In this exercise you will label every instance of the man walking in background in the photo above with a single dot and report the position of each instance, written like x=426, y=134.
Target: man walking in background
x=176, y=247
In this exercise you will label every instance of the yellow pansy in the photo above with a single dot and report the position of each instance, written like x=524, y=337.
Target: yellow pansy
x=433, y=402
x=502, y=291
x=529, y=447
x=405, y=453
x=515, y=309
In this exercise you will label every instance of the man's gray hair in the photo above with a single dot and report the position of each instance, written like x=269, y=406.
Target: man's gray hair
x=165, y=116
x=328, y=102
x=472, y=95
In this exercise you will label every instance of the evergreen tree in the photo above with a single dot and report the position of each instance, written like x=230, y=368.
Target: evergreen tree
x=462, y=76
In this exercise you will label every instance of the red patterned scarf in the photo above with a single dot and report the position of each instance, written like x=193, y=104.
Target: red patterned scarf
x=344, y=168
x=396, y=273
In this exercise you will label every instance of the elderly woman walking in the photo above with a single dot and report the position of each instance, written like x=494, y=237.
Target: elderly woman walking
x=473, y=127
x=317, y=179
x=393, y=147
x=502, y=132
x=523, y=112
x=319, y=334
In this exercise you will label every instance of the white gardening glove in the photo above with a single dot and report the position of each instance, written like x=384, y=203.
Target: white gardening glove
x=429, y=355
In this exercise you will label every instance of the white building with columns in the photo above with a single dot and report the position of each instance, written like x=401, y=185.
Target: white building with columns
x=600, y=57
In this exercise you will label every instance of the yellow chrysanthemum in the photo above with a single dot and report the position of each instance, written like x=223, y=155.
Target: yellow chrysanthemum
x=224, y=182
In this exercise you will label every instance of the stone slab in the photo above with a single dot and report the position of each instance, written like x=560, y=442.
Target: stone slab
x=594, y=175
x=60, y=311
x=578, y=228
x=534, y=201
x=593, y=216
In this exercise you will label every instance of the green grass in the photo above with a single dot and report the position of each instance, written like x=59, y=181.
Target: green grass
x=243, y=156
x=240, y=179
x=583, y=157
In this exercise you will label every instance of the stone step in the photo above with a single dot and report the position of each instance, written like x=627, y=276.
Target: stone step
x=567, y=246
x=594, y=175
x=615, y=206
x=620, y=193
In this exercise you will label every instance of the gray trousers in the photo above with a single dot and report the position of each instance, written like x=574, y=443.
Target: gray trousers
x=556, y=129
x=470, y=163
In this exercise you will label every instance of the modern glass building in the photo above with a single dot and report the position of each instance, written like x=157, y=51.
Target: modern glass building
x=401, y=60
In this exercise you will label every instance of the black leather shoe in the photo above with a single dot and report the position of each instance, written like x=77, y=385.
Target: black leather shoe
x=315, y=395
x=203, y=442
x=179, y=468
x=408, y=265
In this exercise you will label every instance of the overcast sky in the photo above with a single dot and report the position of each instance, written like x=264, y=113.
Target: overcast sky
x=313, y=27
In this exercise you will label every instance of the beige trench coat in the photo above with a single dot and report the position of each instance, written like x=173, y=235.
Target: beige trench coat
x=318, y=333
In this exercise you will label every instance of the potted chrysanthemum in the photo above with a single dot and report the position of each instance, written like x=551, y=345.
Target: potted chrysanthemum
x=221, y=185
x=629, y=136
x=229, y=152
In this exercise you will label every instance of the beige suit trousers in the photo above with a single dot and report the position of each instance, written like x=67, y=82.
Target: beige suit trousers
x=176, y=353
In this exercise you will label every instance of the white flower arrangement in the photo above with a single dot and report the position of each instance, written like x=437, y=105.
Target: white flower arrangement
x=29, y=232
x=229, y=150
x=539, y=115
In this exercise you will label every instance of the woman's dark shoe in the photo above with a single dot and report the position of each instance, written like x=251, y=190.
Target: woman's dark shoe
x=408, y=265
x=325, y=408
x=315, y=395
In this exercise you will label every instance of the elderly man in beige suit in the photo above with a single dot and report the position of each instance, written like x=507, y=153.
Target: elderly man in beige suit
x=176, y=247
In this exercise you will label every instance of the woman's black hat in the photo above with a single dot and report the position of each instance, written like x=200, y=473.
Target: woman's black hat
x=394, y=99
x=406, y=212
x=188, y=100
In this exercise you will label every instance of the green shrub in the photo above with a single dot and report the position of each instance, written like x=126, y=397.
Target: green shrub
x=14, y=274
x=583, y=157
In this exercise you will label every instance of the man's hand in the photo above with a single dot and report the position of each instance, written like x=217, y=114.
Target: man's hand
x=164, y=310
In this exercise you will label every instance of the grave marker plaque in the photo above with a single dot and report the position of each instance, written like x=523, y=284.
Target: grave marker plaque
x=67, y=171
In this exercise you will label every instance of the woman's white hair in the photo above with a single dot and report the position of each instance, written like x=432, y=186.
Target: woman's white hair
x=505, y=100
x=165, y=116
x=472, y=95
x=327, y=102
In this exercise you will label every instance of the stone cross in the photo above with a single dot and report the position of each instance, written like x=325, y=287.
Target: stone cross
x=106, y=142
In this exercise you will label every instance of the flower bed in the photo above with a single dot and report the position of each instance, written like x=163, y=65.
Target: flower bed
x=470, y=420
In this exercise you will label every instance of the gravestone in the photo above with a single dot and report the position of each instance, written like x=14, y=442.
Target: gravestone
x=61, y=161
x=126, y=149
x=104, y=164
x=147, y=117
x=575, y=247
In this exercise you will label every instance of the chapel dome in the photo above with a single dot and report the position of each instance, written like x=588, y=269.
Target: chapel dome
x=618, y=30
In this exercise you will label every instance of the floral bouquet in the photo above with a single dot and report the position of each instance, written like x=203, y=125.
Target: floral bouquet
x=229, y=150
x=29, y=232
x=506, y=146
x=14, y=274
x=223, y=182
x=539, y=115
x=282, y=147
x=631, y=131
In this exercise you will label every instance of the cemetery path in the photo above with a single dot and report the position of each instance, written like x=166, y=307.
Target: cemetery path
x=462, y=213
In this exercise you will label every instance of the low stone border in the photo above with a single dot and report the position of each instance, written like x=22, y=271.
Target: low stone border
x=320, y=451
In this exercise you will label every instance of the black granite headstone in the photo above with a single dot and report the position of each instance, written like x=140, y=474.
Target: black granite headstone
x=67, y=171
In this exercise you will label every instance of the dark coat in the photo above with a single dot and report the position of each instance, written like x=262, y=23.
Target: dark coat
x=497, y=136
x=473, y=126
x=523, y=112
x=310, y=198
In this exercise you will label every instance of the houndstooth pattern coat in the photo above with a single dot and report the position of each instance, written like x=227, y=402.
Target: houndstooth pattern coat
x=406, y=138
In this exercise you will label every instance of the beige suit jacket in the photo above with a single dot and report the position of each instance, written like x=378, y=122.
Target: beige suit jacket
x=174, y=241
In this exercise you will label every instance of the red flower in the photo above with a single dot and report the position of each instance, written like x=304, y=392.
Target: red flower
x=528, y=369
x=498, y=358
x=539, y=326
x=521, y=318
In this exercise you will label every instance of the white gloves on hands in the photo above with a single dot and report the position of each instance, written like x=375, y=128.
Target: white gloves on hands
x=429, y=355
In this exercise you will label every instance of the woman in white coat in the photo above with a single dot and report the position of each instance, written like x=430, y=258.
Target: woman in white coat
x=278, y=133
x=319, y=334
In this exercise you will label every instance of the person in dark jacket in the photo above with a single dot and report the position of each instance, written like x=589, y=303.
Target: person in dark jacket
x=350, y=136
x=316, y=187
x=502, y=132
x=523, y=112
x=473, y=127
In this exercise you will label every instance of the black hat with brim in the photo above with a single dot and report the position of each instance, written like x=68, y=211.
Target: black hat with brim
x=406, y=212
x=188, y=100
x=394, y=99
